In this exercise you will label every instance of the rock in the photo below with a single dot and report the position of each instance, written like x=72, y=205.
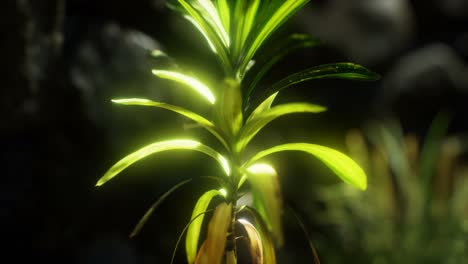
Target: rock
x=367, y=31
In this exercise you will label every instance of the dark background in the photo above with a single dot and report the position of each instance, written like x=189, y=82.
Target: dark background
x=64, y=60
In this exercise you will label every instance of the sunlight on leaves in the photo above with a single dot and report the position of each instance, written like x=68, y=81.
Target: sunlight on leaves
x=210, y=127
x=267, y=199
x=193, y=232
x=177, y=144
x=343, y=166
x=187, y=80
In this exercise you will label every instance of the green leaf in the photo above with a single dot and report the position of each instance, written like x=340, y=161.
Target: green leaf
x=285, y=47
x=431, y=149
x=254, y=125
x=264, y=106
x=225, y=14
x=343, y=166
x=211, y=15
x=229, y=108
x=214, y=38
x=213, y=248
x=275, y=19
x=269, y=255
x=267, y=199
x=189, y=81
x=160, y=147
x=255, y=241
x=210, y=127
x=155, y=205
x=344, y=70
x=193, y=232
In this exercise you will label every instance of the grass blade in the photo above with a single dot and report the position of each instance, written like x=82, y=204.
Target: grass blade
x=153, y=208
x=342, y=165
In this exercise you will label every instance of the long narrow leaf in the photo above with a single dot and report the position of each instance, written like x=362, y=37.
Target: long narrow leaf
x=288, y=8
x=204, y=26
x=193, y=233
x=213, y=248
x=187, y=80
x=344, y=70
x=160, y=147
x=153, y=207
x=267, y=199
x=210, y=127
x=225, y=14
x=262, y=107
x=255, y=124
x=342, y=165
x=269, y=255
x=255, y=241
x=285, y=47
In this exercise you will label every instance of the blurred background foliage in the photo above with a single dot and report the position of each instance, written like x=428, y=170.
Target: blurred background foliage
x=63, y=60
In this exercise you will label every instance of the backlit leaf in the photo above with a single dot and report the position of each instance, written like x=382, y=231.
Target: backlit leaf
x=193, y=232
x=339, y=163
x=255, y=241
x=229, y=108
x=212, y=249
x=254, y=125
x=269, y=255
x=264, y=106
x=267, y=199
x=182, y=111
x=160, y=147
x=187, y=80
x=276, y=19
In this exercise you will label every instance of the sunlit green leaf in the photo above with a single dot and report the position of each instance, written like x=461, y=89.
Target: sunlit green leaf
x=342, y=165
x=229, y=108
x=212, y=250
x=267, y=199
x=254, y=125
x=343, y=70
x=211, y=15
x=225, y=14
x=193, y=232
x=182, y=111
x=160, y=147
x=269, y=255
x=187, y=80
x=276, y=19
x=210, y=33
x=264, y=106
x=155, y=205
x=285, y=46
x=255, y=241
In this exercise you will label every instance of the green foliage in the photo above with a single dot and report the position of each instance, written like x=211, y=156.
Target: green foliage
x=415, y=209
x=235, y=32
